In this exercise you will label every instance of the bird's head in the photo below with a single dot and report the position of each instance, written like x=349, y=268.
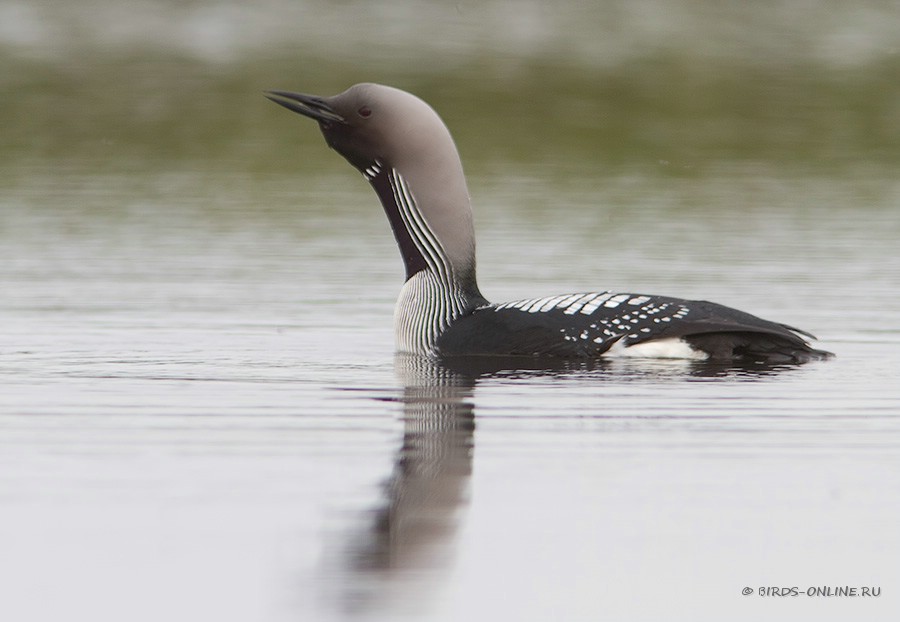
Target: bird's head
x=405, y=151
x=371, y=122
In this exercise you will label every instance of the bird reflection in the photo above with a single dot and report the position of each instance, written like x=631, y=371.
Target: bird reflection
x=431, y=468
x=410, y=533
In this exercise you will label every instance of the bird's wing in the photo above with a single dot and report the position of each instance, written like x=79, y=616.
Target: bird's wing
x=589, y=324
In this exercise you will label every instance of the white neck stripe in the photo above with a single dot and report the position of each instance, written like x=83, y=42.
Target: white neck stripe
x=430, y=299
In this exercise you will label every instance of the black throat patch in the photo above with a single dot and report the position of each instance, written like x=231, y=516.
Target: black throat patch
x=377, y=175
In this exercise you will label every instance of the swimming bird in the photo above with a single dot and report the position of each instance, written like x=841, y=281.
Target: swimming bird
x=405, y=151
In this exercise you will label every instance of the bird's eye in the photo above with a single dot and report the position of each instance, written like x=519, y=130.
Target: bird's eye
x=365, y=112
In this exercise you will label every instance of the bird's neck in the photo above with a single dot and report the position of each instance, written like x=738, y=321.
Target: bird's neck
x=436, y=240
x=427, y=305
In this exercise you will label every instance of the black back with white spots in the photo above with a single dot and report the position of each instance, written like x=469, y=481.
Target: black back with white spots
x=593, y=324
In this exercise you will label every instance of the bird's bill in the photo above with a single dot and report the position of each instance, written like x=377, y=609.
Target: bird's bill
x=308, y=105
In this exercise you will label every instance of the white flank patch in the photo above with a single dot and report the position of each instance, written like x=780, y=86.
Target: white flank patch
x=671, y=348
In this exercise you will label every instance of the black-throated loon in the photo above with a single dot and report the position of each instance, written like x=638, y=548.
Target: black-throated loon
x=406, y=153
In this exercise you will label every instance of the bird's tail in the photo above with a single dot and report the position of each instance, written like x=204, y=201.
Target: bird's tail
x=755, y=347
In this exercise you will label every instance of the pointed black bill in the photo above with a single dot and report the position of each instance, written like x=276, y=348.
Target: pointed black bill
x=307, y=105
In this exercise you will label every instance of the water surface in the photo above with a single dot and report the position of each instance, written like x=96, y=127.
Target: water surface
x=202, y=397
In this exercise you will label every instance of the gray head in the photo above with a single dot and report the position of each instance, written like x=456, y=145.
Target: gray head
x=405, y=151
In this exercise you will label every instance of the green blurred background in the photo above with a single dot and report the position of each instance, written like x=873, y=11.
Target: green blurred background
x=669, y=87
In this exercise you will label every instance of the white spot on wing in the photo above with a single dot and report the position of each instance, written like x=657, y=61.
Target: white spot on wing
x=579, y=302
x=616, y=300
x=595, y=303
x=536, y=304
x=567, y=301
x=553, y=302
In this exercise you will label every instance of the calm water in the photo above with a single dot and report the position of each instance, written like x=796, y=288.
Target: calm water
x=202, y=417
x=201, y=414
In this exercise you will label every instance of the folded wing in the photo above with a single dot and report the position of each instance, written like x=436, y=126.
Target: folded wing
x=588, y=325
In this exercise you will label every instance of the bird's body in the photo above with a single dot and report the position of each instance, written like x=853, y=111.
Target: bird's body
x=621, y=324
x=405, y=151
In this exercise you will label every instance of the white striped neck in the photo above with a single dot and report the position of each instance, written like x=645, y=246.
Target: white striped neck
x=427, y=305
x=440, y=285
